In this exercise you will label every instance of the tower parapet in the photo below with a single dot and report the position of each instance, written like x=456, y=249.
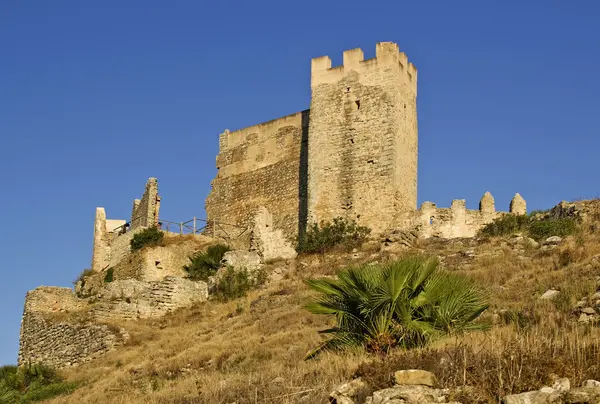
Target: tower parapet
x=362, y=144
x=386, y=54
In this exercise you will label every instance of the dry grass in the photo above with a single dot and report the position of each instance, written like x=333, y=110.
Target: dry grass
x=251, y=350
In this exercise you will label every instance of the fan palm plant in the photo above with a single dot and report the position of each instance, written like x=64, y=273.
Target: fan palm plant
x=406, y=303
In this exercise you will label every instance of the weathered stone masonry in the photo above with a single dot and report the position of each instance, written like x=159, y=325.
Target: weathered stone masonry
x=362, y=147
x=260, y=166
x=111, y=244
x=353, y=154
x=60, y=343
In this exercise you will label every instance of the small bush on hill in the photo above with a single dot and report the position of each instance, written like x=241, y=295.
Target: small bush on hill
x=403, y=304
x=542, y=229
x=109, y=275
x=149, y=237
x=538, y=229
x=506, y=225
x=341, y=232
x=236, y=283
x=31, y=383
x=206, y=263
x=84, y=274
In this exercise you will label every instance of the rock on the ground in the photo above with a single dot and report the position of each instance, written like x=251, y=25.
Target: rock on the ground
x=583, y=395
x=345, y=393
x=408, y=394
x=531, y=243
x=550, y=294
x=553, y=240
x=414, y=377
x=534, y=397
x=561, y=385
x=591, y=383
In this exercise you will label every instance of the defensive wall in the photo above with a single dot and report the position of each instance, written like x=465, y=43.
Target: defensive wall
x=262, y=165
x=362, y=138
x=112, y=237
x=457, y=221
x=353, y=154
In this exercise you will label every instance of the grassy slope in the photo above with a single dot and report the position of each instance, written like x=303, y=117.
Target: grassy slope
x=251, y=350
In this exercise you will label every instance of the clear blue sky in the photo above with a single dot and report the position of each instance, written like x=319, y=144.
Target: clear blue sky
x=95, y=97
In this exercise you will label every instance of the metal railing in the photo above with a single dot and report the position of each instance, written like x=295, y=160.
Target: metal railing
x=194, y=226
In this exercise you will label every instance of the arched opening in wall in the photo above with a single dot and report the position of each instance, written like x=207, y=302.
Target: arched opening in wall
x=431, y=220
x=357, y=102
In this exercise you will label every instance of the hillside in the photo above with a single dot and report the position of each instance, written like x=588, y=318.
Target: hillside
x=251, y=350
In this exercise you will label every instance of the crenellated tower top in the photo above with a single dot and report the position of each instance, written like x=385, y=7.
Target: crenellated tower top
x=386, y=53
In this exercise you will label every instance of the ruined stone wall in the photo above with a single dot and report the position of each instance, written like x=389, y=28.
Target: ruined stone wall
x=145, y=210
x=148, y=264
x=111, y=244
x=132, y=299
x=262, y=165
x=101, y=248
x=456, y=221
x=362, y=149
x=61, y=330
x=44, y=339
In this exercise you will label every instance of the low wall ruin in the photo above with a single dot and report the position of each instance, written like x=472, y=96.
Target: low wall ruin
x=49, y=337
x=111, y=238
x=458, y=221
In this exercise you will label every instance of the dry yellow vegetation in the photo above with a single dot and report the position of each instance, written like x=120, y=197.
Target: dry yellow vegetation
x=251, y=350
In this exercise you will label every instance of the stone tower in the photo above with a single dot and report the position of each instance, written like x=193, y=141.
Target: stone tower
x=362, y=143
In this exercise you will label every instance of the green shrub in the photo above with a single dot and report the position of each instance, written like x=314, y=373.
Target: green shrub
x=538, y=229
x=205, y=264
x=236, y=283
x=31, y=383
x=84, y=274
x=406, y=303
x=341, y=232
x=109, y=275
x=505, y=225
x=542, y=229
x=149, y=237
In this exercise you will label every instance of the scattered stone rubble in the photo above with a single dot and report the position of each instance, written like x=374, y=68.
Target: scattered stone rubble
x=560, y=392
x=411, y=386
x=588, y=308
x=419, y=387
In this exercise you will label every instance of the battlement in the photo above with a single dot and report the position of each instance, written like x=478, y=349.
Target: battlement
x=386, y=54
x=458, y=221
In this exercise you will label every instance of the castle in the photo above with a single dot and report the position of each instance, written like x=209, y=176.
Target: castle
x=353, y=154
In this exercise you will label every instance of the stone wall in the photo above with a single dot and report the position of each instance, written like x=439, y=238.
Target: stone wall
x=111, y=241
x=132, y=299
x=148, y=264
x=59, y=343
x=362, y=144
x=145, y=211
x=262, y=165
x=61, y=330
x=456, y=221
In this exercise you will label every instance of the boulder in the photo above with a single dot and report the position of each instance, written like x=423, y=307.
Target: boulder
x=408, y=394
x=553, y=240
x=550, y=294
x=345, y=393
x=591, y=383
x=561, y=385
x=534, y=397
x=414, y=377
x=583, y=395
